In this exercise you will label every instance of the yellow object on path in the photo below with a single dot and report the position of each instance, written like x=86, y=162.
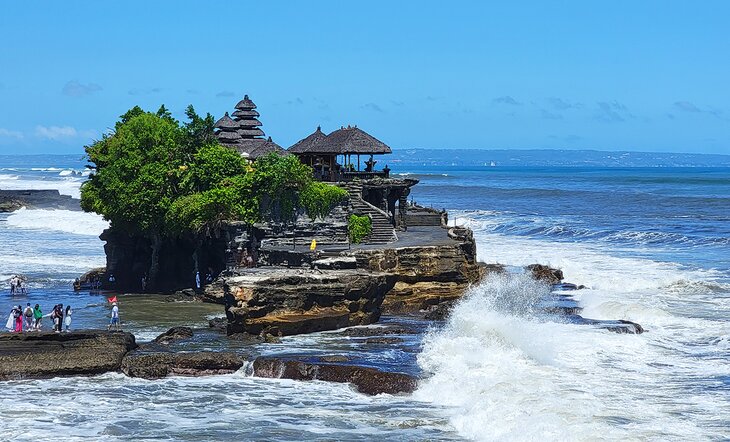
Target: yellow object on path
x=313, y=246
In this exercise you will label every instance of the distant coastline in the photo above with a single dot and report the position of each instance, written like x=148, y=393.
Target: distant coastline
x=511, y=157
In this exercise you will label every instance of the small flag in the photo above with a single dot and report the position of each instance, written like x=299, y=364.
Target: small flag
x=113, y=299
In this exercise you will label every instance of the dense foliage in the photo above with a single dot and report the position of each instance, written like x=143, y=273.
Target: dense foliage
x=158, y=179
x=320, y=198
x=359, y=227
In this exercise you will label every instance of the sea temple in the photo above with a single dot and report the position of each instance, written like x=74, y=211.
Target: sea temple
x=283, y=278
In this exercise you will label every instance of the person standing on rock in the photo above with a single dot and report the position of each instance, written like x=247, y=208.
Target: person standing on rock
x=38, y=316
x=10, y=325
x=115, y=317
x=28, y=317
x=18, y=316
x=67, y=321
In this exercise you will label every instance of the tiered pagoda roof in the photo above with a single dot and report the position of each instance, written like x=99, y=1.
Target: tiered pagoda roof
x=242, y=132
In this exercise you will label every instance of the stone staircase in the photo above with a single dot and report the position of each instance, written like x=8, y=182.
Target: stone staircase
x=383, y=231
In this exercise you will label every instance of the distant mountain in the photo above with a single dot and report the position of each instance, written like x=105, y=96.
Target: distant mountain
x=537, y=157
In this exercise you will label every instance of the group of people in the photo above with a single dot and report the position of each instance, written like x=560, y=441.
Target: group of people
x=17, y=287
x=31, y=318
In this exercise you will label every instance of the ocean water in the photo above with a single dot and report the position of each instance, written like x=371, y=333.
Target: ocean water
x=651, y=244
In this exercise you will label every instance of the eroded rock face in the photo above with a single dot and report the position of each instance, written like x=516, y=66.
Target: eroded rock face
x=365, y=379
x=44, y=355
x=280, y=301
x=161, y=364
x=425, y=276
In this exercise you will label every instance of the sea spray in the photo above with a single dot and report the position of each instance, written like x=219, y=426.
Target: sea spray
x=508, y=372
x=76, y=222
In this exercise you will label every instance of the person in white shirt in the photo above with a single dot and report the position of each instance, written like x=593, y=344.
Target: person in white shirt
x=115, y=317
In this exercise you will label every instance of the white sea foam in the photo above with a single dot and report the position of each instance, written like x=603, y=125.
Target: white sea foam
x=510, y=376
x=79, y=223
x=66, y=186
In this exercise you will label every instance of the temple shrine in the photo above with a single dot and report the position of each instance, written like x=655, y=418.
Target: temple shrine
x=345, y=157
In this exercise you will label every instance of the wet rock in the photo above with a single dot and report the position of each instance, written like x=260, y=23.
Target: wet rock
x=334, y=358
x=366, y=380
x=545, y=273
x=174, y=334
x=160, y=365
x=440, y=312
x=218, y=324
x=359, y=332
x=383, y=340
x=44, y=355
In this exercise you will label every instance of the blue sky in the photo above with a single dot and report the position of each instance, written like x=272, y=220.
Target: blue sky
x=619, y=75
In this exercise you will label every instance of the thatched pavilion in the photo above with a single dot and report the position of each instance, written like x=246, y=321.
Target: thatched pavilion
x=323, y=153
x=242, y=132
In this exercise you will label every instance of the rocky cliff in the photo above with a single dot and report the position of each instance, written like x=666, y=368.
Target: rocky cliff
x=427, y=275
x=282, y=301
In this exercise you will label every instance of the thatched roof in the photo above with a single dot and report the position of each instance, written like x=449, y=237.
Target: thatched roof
x=241, y=114
x=246, y=104
x=257, y=147
x=249, y=133
x=228, y=136
x=354, y=140
x=306, y=144
x=346, y=140
x=226, y=123
x=248, y=122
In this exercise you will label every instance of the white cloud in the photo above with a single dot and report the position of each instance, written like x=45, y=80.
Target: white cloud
x=6, y=133
x=61, y=132
x=75, y=89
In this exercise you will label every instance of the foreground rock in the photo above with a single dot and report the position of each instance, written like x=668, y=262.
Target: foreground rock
x=162, y=364
x=174, y=334
x=365, y=379
x=280, y=301
x=44, y=355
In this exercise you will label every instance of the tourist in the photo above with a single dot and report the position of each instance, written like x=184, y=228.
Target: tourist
x=57, y=316
x=18, y=317
x=13, y=284
x=67, y=321
x=38, y=315
x=144, y=283
x=28, y=317
x=10, y=325
x=197, y=280
x=115, y=317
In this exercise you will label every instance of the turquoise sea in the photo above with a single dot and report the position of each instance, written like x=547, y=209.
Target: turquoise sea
x=652, y=244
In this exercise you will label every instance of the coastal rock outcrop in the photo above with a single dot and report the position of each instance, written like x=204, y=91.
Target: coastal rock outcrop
x=545, y=273
x=44, y=355
x=174, y=334
x=11, y=200
x=425, y=276
x=366, y=380
x=156, y=365
x=280, y=301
